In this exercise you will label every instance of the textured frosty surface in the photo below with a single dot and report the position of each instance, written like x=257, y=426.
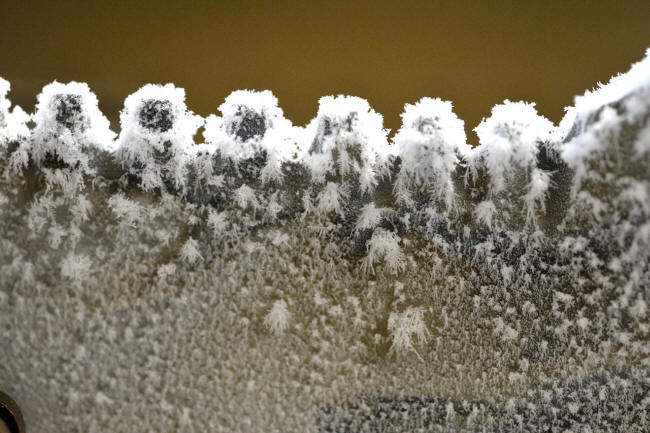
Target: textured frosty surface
x=281, y=278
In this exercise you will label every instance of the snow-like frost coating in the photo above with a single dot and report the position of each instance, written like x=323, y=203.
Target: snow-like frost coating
x=430, y=143
x=384, y=245
x=347, y=138
x=407, y=327
x=69, y=126
x=157, y=136
x=13, y=123
x=278, y=317
x=252, y=131
x=508, y=140
x=635, y=83
x=251, y=122
x=509, y=145
x=607, y=146
x=357, y=287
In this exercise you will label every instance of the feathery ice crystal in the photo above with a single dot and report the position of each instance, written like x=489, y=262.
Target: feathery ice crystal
x=338, y=282
x=504, y=165
x=13, y=123
x=348, y=138
x=251, y=122
x=69, y=128
x=157, y=136
x=607, y=146
x=431, y=143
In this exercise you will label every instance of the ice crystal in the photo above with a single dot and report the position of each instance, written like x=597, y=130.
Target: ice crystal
x=13, y=122
x=281, y=278
x=156, y=137
x=348, y=138
x=69, y=127
x=407, y=327
x=431, y=144
x=277, y=319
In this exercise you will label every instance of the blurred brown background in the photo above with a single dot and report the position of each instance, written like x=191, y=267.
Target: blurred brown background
x=473, y=53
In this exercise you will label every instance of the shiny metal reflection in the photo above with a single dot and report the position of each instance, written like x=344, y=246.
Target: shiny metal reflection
x=11, y=415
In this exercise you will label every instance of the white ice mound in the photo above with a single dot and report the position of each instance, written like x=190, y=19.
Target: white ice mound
x=347, y=138
x=509, y=144
x=508, y=140
x=253, y=131
x=311, y=304
x=431, y=142
x=607, y=145
x=157, y=135
x=633, y=87
x=69, y=125
x=251, y=122
x=13, y=123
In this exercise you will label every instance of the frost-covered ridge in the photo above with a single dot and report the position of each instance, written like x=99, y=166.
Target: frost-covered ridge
x=273, y=277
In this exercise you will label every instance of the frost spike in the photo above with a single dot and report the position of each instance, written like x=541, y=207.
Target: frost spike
x=70, y=129
x=431, y=143
x=14, y=133
x=157, y=135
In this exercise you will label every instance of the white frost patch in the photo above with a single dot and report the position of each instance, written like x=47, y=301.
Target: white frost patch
x=217, y=221
x=277, y=319
x=384, y=245
x=635, y=82
x=642, y=143
x=251, y=122
x=369, y=217
x=508, y=140
x=501, y=328
x=253, y=125
x=126, y=211
x=536, y=192
x=330, y=199
x=406, y=327
x=13, y=123
x=346, y=138
x=484, y=212
x=76, y=267
x=68, y=124
x=639, y=309
x=609, y=176
x=157, y=135
x=190, y=252
x=245, y=198
x=597, y=130
x=430, y=142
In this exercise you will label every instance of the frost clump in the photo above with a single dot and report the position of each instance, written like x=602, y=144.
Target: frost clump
x=330, y=199
x=347, y=139
x=76, y=267
x=13, y=123
x=504, y=165
x=384, y=245
x=407, y=327
x=242, y=160
x=157, y=134
x=190, y=252
x=631, y=87
x=69, y=127
x=251, y=122
x=277, y=319
x=607, y=145
x=369, y=217
x=431, y=143
x=126, y=211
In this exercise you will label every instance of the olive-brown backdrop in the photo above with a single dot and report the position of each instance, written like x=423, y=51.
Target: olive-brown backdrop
x=475, y=54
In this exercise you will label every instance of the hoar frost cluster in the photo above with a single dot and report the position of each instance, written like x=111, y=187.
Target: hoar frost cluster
x=325, y=278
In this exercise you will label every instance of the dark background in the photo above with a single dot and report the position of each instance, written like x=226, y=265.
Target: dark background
x=475, y=54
